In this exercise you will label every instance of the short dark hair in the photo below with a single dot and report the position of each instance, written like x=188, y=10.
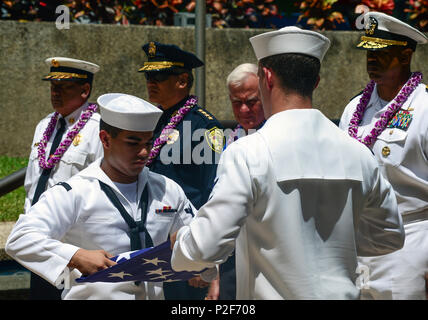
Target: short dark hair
x=297, y=72
x=112, y=131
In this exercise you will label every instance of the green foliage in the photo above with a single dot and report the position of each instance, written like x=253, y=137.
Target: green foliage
x=11, y=204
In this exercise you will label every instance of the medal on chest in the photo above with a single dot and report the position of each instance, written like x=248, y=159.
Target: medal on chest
x=401, y=120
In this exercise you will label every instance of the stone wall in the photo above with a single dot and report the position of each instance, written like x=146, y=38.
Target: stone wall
x=117, y=49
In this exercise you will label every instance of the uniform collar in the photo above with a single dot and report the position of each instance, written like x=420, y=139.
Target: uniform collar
x=73, y=117
x=94, y=171
x=168, y=112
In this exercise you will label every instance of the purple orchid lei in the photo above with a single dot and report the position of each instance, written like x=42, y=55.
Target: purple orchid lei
x=172, y=124
x=381, y=124
x=54, y=159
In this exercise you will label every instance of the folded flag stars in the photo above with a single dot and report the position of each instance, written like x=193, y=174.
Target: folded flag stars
x=150, y=264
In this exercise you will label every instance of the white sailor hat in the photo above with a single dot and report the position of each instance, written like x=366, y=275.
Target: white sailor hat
x=128, y=112
x=290, y=40
x=383, y=31
x=70, y=69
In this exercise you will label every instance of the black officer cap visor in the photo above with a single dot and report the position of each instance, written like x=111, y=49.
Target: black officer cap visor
x=69, y=74
x=381, y=40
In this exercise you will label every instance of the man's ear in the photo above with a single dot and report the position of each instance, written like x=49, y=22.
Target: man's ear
x=406, y=56
x=105, y=139
x=268, y=77
x=183, y=80
x=86, y=89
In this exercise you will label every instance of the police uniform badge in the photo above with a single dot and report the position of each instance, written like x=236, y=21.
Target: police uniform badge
x=401, y=120
x=215, y=139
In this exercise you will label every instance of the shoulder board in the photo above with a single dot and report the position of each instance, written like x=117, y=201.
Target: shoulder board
x=205, y=113
x=356, y=95
x=65, y=185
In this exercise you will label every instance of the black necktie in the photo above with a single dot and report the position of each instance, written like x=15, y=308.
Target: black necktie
x=136, y=227
x=41, y=184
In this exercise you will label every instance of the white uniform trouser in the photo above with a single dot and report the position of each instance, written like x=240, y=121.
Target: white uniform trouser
x=400, y=275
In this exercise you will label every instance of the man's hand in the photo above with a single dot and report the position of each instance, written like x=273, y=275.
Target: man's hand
x=173, y=238
x=90, y=261
x=214, y=290
x=197, y=282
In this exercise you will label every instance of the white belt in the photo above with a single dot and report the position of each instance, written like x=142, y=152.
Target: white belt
x=414, y=217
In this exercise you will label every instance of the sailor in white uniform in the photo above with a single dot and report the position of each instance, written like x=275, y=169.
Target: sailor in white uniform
x=298, y=198
x=76, y=226
x=396, y=102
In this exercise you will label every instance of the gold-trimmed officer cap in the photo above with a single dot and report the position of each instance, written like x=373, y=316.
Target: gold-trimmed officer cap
x=69, y=69
x=383, y=31
x=168, y=57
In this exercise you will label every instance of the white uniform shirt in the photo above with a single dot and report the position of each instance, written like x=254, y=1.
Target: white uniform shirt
x=75, y=159
x=84, y=217
x=406, y=167
x=299, y=209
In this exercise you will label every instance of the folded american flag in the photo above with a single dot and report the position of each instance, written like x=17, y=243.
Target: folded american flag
x=150, y=264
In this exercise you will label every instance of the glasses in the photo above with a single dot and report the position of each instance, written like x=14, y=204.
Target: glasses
x=157, y=76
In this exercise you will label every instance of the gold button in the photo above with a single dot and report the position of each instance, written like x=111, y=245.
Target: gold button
x=71, y=120
x=391, y=132
x=386, y=151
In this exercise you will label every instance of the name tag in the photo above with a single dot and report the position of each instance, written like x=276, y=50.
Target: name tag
x=401, y=120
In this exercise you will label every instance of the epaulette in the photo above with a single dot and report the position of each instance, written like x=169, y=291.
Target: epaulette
x=206, y=114
x=426, y=88
x=356, y=95
x=65, y=185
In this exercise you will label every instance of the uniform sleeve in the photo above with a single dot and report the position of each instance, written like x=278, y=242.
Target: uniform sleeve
x=380, y=227
x=213, y=140
x=34, y=240
x=210, y=237
x=30, y=178
x=185, y=211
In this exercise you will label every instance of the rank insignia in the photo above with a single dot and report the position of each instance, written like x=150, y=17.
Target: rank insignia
x=77, y=139
x=401, y=120
x=215, y=139
x=371, y=26
x=165, y=209
x=152, y=50
x=55, y=63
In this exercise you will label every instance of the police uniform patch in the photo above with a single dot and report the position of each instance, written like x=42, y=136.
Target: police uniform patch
x=401, y=120
x=215, y=139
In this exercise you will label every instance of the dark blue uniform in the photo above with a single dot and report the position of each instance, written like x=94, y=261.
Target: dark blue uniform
x=194, y=170
x=193, y=166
